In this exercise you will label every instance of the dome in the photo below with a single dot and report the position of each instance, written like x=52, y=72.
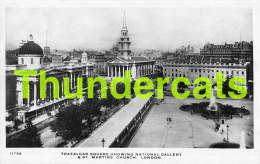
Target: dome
x=31, y=48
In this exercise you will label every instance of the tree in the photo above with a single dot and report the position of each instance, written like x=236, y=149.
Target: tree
x=28, y=138
x=68, y=124
x=109, y=101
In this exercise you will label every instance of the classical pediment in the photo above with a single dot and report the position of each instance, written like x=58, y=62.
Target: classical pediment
x=119, y=61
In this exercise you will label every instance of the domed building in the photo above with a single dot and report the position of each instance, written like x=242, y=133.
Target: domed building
x=30, y=54
x=31, y=57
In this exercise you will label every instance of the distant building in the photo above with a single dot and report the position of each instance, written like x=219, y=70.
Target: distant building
x=213, y=58
x=240, y=50
x=150, y=54
x=56, y=60
x=209, y=70
x=47, y=51
x=84, y=57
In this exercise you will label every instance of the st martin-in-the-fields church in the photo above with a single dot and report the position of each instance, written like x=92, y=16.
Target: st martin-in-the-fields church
x=139, y=66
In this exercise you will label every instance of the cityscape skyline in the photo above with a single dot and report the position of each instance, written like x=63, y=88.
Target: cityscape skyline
x=92, y=30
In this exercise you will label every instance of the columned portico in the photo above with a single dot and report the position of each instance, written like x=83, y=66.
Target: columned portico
x=119, y=66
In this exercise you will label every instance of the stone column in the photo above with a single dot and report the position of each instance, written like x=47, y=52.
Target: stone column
x=35, y=93
x=62, y=88
x=28, y=100
x=123, y=71
x=116, y=71
x=144, y=69
x=133, y=71
x=75, y=80
x=127, y=68
x=140, y=70
x=71, y=78
x=111, y=71
x=19, y=93
x=137, y=70
x=119, y=71
x=108, y=71
x=50, y=92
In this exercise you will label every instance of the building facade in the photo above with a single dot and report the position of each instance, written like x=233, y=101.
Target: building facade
x=30, y=58
x=193, y=71
x=241, y=50
x=229, y=59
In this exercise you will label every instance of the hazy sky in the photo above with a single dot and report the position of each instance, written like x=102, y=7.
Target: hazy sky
x=99, y=28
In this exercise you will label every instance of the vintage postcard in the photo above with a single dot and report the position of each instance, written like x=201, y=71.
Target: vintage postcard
x=120, y=82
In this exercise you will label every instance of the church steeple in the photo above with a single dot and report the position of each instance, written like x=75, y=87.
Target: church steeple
x=124, y=20
x=124, y=41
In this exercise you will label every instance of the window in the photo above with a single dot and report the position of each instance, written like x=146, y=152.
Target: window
x=22, y=60
x=31, y=60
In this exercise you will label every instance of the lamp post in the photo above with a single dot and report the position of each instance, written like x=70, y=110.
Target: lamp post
x=103, y=142
x=227, y=132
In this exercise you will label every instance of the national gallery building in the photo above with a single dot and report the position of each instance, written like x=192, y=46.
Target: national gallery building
x=30, y=57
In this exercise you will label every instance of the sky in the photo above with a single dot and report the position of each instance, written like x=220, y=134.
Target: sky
x=149, y=28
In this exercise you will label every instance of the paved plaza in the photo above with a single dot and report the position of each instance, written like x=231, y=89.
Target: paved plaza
x=188, y=131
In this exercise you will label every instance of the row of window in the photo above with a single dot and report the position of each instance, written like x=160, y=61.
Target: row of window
x=208, y=71
x=208, y=76
x=22, y=61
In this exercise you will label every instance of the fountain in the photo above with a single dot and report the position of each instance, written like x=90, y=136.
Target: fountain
x=219, y=112
x=215, y=110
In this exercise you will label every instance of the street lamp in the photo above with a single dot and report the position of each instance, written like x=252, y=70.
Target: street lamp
x=227, y=132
